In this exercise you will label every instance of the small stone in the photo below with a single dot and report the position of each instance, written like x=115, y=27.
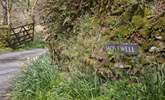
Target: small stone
x=154, y=49
x=158, y=37
x=39, y=28
x=119, y=65
x=161, y=45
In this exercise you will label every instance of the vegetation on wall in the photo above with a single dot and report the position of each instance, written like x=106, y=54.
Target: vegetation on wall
x=4, y=34
x=89, y=24
x=78, y=31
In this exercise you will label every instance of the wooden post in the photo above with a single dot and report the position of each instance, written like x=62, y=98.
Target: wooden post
x=33, y=19
x=33, y=16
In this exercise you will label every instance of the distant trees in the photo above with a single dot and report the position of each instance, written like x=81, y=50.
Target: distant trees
x=4, y=4
x=7, y=7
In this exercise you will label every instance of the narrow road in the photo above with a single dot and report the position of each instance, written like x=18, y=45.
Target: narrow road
x=10, y=65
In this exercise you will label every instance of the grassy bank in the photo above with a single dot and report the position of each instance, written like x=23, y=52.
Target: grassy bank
x=78, y=33
x=42, y=81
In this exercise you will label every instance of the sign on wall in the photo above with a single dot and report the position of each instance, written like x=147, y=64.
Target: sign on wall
x=129, y=49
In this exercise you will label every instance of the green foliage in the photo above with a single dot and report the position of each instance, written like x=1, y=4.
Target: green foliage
x=138, y=21
x=80, y=30
x=4, y=49
x=2, y=45
x=160, y=24
x=69, y=22
x=39, y=77
x=122, y=31
x=83, y=45
x=43, y=81
x=65, y=13
x=148, y=87
x=124, y=90
x=36, y=43
x=154, y=82
x=88, y=23
x=31, y=45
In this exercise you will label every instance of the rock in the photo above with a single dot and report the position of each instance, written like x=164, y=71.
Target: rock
x=154, y=49
x=119, y=65
x=1, y=21
x=159, y=37
x=39, y=28
x=161, y=45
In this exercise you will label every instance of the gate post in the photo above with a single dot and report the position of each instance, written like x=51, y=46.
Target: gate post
x=33, y=19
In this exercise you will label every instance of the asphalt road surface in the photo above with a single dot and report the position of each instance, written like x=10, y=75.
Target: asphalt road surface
x=10, y=66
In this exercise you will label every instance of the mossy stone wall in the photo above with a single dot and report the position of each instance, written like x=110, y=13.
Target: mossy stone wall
x=4, y=34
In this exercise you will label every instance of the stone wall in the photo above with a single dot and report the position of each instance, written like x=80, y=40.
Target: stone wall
x=4, y=34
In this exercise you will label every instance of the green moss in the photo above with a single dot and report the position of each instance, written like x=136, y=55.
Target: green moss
x=160, y=23
x=88, y=23
x=148, y=12
x=4, y=49
x=4, y=34
x=123, y=31
x=110, y=21
x=138, y=21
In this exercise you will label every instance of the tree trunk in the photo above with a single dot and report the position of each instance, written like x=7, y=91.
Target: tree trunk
x=8, y=12
x=4, y=4
x=6, y=8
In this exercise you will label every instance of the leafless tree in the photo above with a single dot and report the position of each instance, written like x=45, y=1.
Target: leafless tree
x=4, y=4
x=6, y=8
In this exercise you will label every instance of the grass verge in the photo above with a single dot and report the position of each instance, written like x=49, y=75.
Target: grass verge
x=42, y=81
